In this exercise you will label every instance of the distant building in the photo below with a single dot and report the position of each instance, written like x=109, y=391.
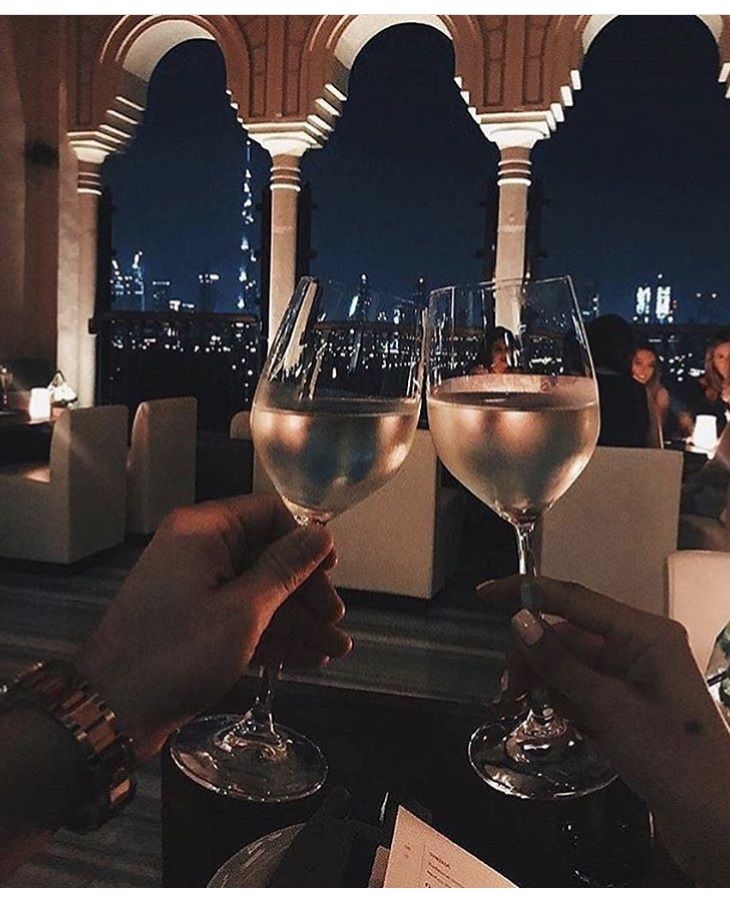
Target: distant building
x=128, y=288
x=207, y=291
x=179, y=306
x=247, y=282
x=420, y=293
x=138, y=281
x=161, y=291
x=705, y=307
x=590, y=307
x=655, y=304
x=360, y=301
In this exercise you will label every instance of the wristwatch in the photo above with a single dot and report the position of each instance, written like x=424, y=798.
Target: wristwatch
x=107, y=782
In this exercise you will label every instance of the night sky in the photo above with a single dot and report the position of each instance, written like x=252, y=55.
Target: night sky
x=635, y=179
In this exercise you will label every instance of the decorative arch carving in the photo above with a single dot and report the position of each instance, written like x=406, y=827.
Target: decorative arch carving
x=111, y=99
x=334, y=42
x=570, y=38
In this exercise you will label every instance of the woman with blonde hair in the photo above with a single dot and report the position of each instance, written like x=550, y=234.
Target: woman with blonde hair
x=710, y=393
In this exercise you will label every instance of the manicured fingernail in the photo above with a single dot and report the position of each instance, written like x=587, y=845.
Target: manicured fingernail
x=527, y=627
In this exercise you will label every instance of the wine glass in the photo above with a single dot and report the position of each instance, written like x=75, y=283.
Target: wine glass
x=333, y=418
x=513, y=411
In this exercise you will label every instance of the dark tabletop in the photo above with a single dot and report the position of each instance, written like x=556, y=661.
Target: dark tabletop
x=24, y=440
x=415, y=749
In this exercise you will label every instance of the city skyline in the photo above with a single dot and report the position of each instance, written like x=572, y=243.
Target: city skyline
x=397, y=189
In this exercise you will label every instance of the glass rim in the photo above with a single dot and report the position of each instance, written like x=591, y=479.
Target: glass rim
x=347, y=288
x=492, y=283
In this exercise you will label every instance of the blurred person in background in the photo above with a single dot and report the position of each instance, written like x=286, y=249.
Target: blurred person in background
x=623, y=401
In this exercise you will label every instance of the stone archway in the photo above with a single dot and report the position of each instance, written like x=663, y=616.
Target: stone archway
x=334, y=42
x=109, y=109
x=570, y=38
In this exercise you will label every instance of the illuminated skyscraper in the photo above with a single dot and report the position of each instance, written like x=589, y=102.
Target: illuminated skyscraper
x=138, y=281
x=664, y=308
x=161, y=292
x=247, y=283
x=590, y=306
x=207, y=291
x=642, y=307
x=128, y=288
x=664, y=305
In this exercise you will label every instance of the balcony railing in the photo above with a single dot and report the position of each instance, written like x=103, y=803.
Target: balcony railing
x=215, y=357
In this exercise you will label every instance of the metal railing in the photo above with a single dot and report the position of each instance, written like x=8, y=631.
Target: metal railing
x=215, y=357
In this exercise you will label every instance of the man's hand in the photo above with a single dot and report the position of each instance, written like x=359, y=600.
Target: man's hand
x=221, y=585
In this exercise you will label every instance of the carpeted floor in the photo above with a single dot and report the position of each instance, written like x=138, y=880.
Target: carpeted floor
x=448, y=648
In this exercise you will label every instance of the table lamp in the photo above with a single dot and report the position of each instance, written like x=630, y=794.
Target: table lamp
x=40, y=403
x=704, y=436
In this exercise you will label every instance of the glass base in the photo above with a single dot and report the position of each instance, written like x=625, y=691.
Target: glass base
x=513, y=758
x=213, y=752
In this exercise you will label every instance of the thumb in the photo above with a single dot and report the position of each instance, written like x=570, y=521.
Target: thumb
x=282, y=568
x=591, y=693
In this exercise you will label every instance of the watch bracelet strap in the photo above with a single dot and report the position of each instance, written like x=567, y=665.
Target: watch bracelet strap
x=107, y=781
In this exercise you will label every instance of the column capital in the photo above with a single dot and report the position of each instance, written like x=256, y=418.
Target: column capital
x=523, y=130
x=285, y=172
x=91, y=151
x=291, y=139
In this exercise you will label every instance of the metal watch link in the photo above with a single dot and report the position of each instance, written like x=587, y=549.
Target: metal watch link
x=107, y=780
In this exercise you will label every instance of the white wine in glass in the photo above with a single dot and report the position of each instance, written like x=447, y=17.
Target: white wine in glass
x=333, y=418
x=513, y=411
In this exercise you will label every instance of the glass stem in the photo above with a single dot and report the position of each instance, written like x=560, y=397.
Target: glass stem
x=526, y=550
x=261, y=710
x=528, y=538
x=258, y=723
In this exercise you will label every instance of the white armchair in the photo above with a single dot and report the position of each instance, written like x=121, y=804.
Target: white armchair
x=161, y=463
x=615, y=527
x=241, y=426
x=405, y=538
x=75, y=506
x=699, y=598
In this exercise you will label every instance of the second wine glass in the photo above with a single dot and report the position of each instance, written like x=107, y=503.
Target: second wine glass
x=513, y=410
x=333, y=419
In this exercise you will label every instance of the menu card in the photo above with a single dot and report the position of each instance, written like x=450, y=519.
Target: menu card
x=420, y=857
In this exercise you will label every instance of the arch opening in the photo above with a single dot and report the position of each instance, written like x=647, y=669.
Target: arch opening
x=635, y=180
x=403, y=159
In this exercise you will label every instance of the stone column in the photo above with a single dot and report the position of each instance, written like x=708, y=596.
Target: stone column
x=514, y=182
x=89, y=189
x=515, y=138
x=286, y=143
x=285, y=187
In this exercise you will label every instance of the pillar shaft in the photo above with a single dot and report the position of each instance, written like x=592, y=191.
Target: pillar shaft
x=514, y=183
x=88, y=211
x=285, y=186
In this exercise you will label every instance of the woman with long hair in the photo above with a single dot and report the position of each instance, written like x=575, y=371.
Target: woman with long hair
x=710, y=393
x=645, y=369
x=623, y=402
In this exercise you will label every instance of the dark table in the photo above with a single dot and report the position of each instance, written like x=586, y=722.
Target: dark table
x=416, y=750
x=24, y=440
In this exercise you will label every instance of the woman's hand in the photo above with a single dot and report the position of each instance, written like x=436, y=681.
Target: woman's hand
x=221, y=585
x=628, y=679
